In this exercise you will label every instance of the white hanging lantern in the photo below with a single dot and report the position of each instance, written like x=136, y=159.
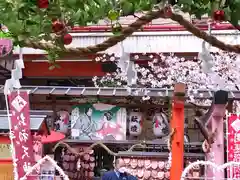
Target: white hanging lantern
x=160, y=125
x=135, y=123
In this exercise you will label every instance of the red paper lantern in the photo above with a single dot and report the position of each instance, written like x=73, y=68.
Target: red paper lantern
x=67, y=39
x=219, y=15
x=43, y=4
x=57, y=26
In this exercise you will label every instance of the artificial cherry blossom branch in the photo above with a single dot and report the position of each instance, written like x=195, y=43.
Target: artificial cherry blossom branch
x=166, y=70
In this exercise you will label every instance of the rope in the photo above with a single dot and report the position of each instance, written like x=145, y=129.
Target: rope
x=136, y=145
x=93, y=145
x=87, y=150
x=145, y=19
x=203, y=35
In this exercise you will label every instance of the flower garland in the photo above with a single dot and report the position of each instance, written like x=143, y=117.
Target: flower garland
x=166, y=70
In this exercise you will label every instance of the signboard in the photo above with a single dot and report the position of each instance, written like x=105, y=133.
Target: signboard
x=5, y=152
x=20, y=132
x=233, y=138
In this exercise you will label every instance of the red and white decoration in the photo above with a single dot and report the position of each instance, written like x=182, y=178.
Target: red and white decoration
x=233, y=139
x=160, y=125
x=20, y=133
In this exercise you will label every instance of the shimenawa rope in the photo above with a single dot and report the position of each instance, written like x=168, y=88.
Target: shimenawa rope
x=145, y=19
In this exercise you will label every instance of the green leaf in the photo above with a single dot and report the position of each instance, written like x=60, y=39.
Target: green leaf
x=71, y=3
x=76, y=16
x=127, y=8
x=113, y=15
x=186, y=2
x=227, y=12
x=31, y=22
x=46, y=26
x=235, y=18
x=145, y=5
x=22, y=14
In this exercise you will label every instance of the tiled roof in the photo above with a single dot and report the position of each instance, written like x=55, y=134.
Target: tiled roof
x=117, y=92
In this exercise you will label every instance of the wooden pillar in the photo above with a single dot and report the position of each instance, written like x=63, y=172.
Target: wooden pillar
x=177, y=124
x=217, y=148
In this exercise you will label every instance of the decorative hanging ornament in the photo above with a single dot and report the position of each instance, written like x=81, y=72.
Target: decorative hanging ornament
x=57, y=26
x=131, y=73
x=206, y=58
x=67, y=39
x=135, y=123
x=219, y=15
x=43, y=4
x=160, y=125
x=123, y=61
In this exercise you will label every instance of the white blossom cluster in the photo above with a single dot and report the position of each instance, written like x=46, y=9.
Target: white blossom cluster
x=164, y=71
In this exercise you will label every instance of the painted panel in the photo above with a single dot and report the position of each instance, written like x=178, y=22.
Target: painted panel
x=98, y=121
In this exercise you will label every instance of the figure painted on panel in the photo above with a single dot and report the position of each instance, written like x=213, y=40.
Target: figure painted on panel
x=135, y=123
x=97, y=122
x=83, y=123
x=109, y=127
x=62, y=122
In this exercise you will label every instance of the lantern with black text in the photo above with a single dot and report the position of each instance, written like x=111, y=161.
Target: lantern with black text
x=135, y=123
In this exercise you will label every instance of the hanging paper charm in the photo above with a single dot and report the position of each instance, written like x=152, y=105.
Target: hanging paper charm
x=127, y=67
x=131, y=73
x=123, y=61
